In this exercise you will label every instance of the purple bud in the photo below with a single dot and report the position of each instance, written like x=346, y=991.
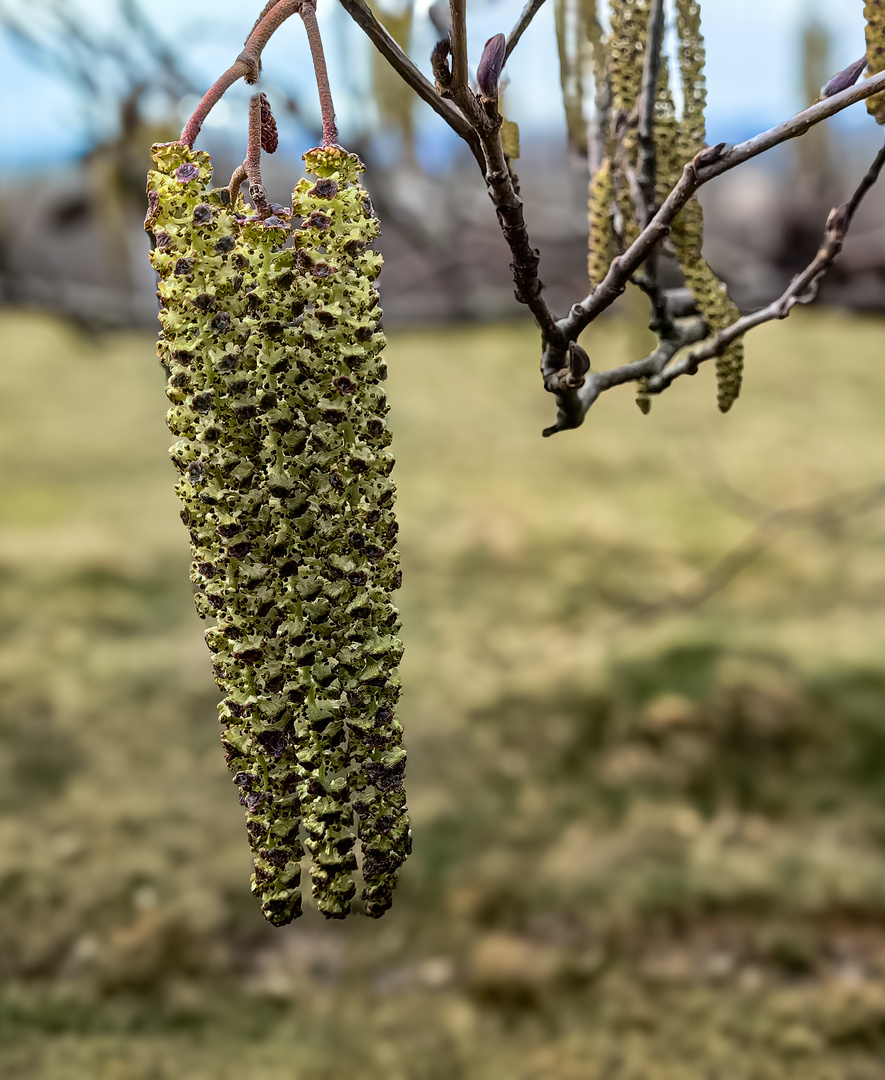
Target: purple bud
x=187, y=172
x=489, y=71
x=845, y=78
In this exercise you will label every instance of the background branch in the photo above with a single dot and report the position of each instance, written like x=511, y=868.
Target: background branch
x=522, y=24
x=362, y=15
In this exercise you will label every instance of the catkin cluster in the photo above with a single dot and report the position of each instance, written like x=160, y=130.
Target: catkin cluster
x=273, y=354
x=874, y=13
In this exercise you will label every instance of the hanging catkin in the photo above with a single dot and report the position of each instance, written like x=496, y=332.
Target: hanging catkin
x=273, y=354
x=709, y=292
x=600, y=239
x=874, y=13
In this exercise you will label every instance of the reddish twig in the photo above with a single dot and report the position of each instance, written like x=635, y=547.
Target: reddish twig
x=252, y=164
x=246, y=66
x=309, y=17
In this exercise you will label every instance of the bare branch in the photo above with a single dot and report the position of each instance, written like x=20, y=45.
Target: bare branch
x=802, y=289
x=824, y=516
x=252, y=164
x=362, y=15
x=522, y=23
x=647, y=95
x=708, y=164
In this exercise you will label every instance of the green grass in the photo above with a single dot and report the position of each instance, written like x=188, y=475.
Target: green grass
x=645, y=847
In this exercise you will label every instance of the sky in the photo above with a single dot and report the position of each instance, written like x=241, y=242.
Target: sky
x=752, y=68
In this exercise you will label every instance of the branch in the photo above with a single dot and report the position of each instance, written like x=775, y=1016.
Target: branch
x=823, y=516
x=802, y=289
x=572, y=404
x=522, y=23
x=246, y=66
x=309, y=18
x=252, y=164
x=362, y=15
x=458, y=39
x=707, y=164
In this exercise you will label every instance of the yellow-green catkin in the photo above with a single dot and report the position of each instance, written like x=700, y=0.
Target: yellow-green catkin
x=601, y=238
x=668, y=159
x=874, y=13
x=273, y=353
x=709, y=292
x=626, y=56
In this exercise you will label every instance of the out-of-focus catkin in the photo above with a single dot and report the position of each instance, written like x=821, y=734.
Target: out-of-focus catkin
x=874, y=13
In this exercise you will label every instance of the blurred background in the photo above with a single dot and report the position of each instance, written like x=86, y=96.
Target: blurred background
x=644, y=695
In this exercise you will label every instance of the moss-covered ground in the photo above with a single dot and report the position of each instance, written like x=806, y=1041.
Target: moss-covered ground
x=649, y=832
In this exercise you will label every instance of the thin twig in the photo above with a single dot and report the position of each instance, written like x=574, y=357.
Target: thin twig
x=801, y=290
x=246, y=66
x=572, y=405
x=709, y=163
x=309, y=17
x=252, y=164
x=362, y=15
x=522, y=24
x=458, y=39
x=824, y=515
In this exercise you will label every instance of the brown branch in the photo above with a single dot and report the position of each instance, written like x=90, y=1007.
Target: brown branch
x=252, y=164
x=362, y=15
x=802, y=289
x=522, y=24
x=572, y=403
x=246, y=66
x=646, y=167
x=309, y=17
x=823, y=516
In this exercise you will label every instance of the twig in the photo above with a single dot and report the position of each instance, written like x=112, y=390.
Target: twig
x=246, y=66
x=823, y=515
x=362, y=15
x=458, y=39
x=522, y=24
x=647, y=96
x=802, y=289
x=309, y=17
x=708, y=164
x=711, y=162
x=572, y=404
x=252, y=164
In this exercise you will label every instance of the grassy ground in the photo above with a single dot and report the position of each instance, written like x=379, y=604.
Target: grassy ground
x=649, y=834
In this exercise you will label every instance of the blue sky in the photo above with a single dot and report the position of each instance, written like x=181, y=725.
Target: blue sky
x=752, y=67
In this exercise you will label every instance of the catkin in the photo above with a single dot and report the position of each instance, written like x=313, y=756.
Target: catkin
x=601, y=238
x=709, y=292
x=274, y=371
x=874, y=13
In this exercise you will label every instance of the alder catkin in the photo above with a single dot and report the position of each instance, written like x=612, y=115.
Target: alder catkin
x=274, y=361
x=710, y=294
x=874, y=13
